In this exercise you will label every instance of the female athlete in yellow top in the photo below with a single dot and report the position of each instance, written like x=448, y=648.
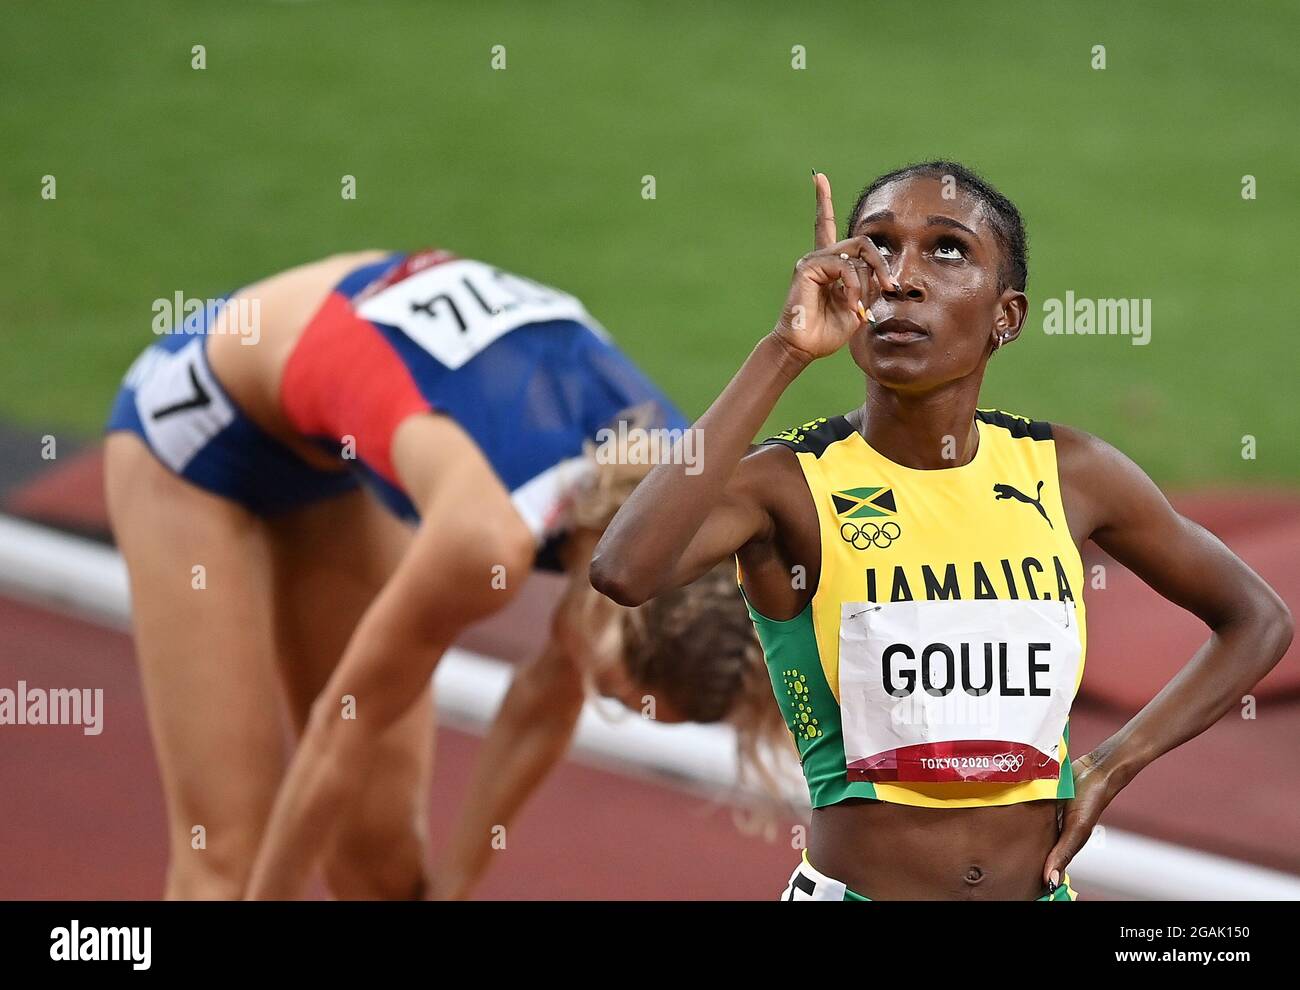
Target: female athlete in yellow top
x=913, y=566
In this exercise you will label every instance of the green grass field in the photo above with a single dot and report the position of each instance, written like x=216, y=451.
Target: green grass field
x=171, y=178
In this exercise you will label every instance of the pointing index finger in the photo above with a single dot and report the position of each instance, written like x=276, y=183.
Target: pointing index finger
x=824, y=224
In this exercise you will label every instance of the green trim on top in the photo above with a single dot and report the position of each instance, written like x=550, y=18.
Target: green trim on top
x=1065, y=782
x=811, y=712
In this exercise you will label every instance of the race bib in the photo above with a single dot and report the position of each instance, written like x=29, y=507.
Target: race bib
x=181, y=406
x=457, y=308
x=941, y=691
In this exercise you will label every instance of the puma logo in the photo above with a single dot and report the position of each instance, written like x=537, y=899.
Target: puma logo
x=1009, y=491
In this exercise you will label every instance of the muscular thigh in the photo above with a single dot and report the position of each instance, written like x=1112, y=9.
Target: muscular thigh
x=200, y=587
x=329, y=562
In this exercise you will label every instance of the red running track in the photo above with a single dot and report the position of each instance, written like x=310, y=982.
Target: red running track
x=82, y=817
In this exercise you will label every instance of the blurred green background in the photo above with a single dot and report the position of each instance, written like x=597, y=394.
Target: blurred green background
x=1130, y=178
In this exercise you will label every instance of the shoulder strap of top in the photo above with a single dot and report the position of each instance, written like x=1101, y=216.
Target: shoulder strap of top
x=1018, y=426
x=815, y=436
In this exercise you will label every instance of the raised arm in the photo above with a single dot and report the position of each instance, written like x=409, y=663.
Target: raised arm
x=1123, y=511
x=697, y=519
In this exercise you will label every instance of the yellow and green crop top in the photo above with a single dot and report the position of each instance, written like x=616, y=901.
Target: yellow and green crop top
x=937, y=661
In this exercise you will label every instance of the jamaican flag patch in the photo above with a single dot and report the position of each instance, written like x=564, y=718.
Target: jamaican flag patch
x=864, y=503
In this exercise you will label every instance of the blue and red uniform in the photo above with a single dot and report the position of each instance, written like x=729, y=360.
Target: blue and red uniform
x=521, y=367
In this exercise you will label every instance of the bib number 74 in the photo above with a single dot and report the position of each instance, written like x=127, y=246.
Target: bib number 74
x=454, y=310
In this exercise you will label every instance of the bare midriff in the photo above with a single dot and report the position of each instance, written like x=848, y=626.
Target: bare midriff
x=899, y=852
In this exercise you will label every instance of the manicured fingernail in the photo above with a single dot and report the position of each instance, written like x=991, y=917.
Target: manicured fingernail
x=862, y=311
x=1054, y=881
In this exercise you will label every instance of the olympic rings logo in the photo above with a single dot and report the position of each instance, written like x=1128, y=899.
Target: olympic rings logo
x=870, y=535
x=1008, y=762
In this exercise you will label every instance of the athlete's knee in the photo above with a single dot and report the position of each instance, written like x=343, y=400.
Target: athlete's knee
x=213, y=863
x=194, y=876
x=376, y=865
